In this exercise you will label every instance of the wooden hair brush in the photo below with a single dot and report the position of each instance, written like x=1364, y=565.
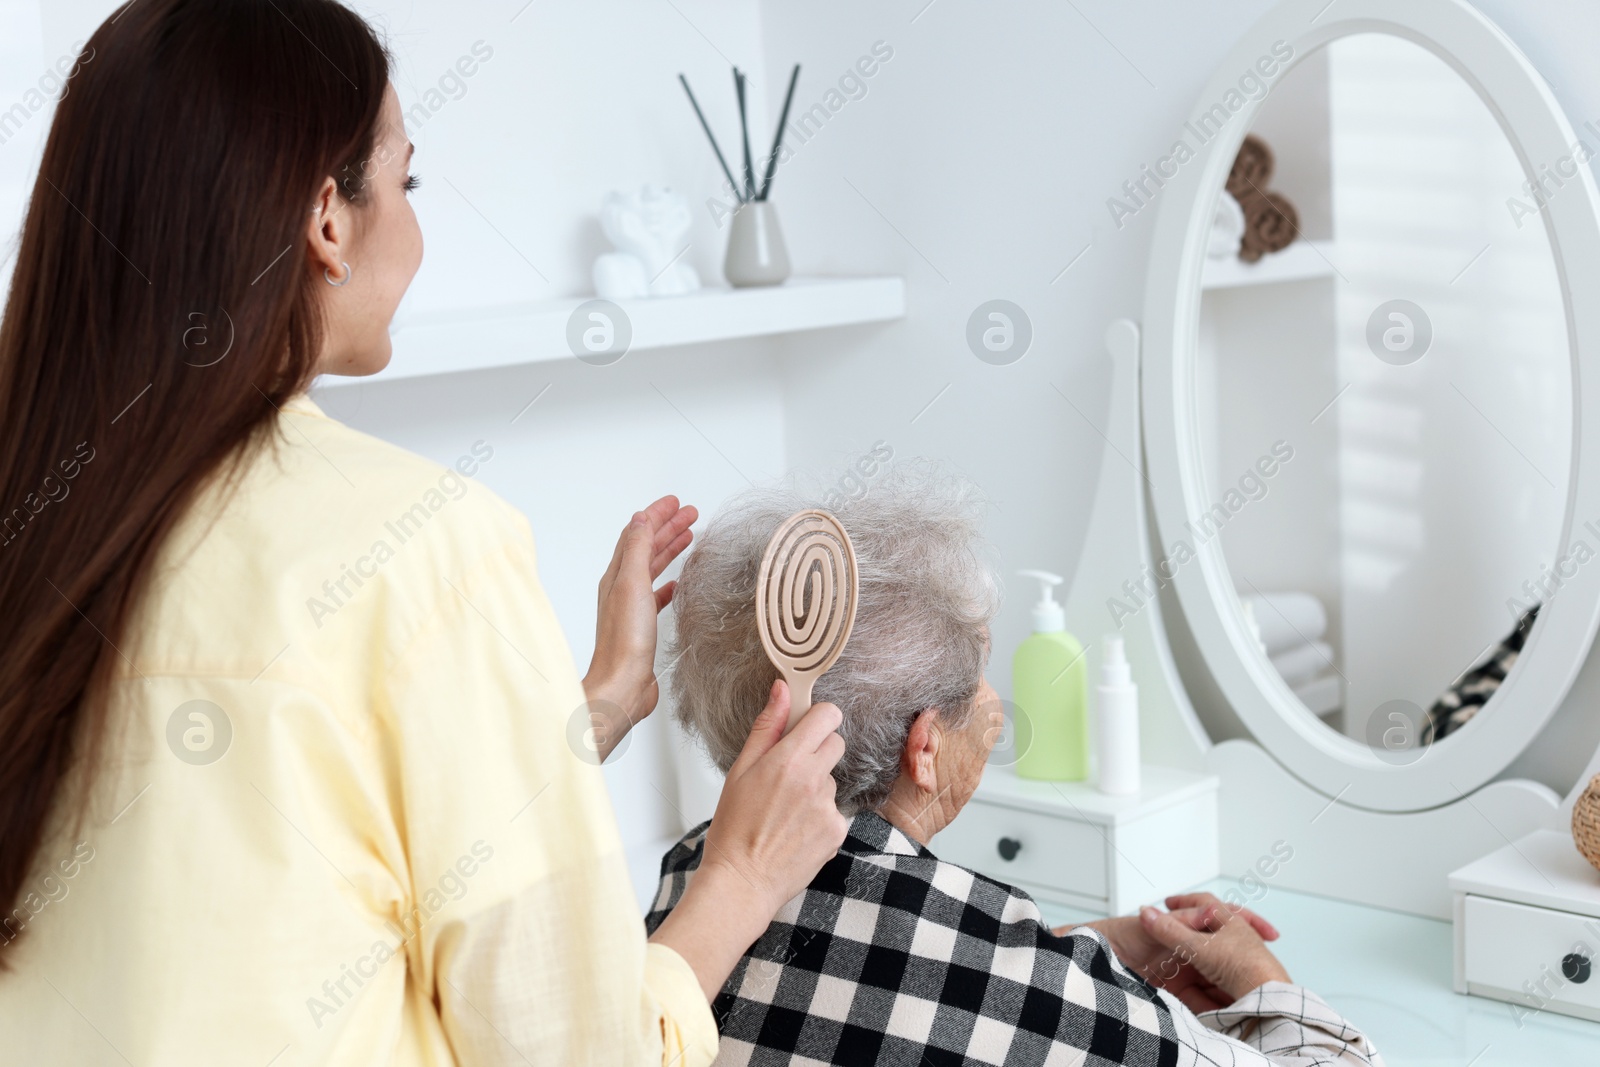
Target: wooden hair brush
x=806, y=600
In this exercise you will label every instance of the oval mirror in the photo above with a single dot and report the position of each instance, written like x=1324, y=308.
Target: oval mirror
x=1363, y=396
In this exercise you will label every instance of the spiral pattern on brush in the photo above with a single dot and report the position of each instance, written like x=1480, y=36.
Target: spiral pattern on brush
x=807, y=593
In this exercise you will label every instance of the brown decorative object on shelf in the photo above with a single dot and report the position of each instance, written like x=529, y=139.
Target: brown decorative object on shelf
x=1270, y=225
x=1586, y=823
x=1252, y=168
x=1270, y=221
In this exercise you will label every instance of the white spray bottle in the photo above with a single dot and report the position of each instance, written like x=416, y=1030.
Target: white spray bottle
x=1117, y=722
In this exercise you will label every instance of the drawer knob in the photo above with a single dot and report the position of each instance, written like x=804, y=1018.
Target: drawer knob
x=1575, y=967
x=1010, y=846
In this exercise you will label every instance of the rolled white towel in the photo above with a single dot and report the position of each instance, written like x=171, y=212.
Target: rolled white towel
x=1323, y=696
x=1288, y=619
x=1303, y=662
x=1227, y=228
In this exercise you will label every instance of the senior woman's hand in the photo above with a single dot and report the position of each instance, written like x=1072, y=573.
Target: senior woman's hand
x=621, y=683
x=1233, y=960
x=1207, y=908
x=1157, y=963
x=776, y=825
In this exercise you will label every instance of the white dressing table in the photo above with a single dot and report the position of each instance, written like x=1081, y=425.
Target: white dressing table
x=1391, y=974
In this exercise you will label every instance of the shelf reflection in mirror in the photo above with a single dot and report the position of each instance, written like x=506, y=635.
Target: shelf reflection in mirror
x=1386, y=432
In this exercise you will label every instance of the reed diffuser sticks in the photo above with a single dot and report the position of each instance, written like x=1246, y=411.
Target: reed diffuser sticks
x=748, y=190
x=744, y=131
x=777, y=135
x=710, y=136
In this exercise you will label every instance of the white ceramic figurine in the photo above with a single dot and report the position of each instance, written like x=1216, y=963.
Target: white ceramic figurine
x=647, y=228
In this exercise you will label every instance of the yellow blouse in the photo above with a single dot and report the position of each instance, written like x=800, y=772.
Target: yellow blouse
x=345, y=815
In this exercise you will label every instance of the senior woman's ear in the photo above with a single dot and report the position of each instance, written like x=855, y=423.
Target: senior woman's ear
x=918, y=760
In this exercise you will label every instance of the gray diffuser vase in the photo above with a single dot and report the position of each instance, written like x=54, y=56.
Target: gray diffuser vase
x=756, y=255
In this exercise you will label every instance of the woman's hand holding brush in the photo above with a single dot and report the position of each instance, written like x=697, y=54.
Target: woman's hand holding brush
x=776, y=824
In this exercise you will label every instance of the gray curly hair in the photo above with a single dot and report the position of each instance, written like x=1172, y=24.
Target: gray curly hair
x=920, y=640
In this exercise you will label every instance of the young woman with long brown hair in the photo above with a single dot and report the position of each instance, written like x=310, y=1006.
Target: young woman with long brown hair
x=279, y=784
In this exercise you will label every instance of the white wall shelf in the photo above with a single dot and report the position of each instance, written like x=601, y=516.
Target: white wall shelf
x=536, y=332
x=1301, y=260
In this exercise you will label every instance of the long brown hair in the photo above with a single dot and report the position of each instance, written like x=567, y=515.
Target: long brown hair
x=160, y=310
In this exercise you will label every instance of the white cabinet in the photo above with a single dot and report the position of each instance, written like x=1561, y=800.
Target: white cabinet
x=1070, y=844
x=1527, y=927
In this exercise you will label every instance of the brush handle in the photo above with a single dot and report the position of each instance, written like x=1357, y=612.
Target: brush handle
x=799, y=701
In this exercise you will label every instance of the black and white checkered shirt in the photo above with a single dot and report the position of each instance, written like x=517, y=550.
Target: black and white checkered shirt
x=893, y=956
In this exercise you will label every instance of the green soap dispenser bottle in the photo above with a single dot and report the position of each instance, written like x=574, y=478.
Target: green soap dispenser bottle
x=1050, y=690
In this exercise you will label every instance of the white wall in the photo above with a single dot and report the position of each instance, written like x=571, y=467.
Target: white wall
x=24, y=63
x=977, y=165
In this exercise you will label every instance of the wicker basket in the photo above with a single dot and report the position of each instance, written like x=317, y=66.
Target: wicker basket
x=1586, y=823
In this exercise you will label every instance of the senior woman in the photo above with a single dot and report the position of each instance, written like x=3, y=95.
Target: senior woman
x=284, y=711
x=892, y=956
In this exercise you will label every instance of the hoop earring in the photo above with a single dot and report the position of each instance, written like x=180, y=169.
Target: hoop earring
x=339, y=284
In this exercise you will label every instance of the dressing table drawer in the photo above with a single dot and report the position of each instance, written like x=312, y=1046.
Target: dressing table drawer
x=1527, y=927
x=1540, y=957
x=1070, y=844
x=1029, y=848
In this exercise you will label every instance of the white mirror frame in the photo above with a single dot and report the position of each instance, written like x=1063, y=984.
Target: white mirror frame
x=1541, y=136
